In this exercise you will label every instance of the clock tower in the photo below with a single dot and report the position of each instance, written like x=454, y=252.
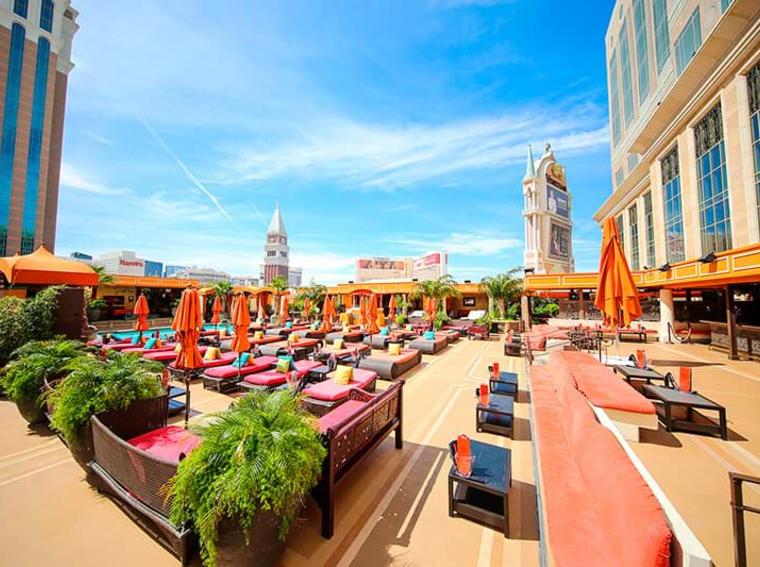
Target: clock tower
x=276, y=249
x=547, y=216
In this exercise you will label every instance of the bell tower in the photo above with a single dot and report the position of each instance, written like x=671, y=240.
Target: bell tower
x=547, y=216
x=276, y=249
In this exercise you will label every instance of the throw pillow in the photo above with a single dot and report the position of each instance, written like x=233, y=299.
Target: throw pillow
x=150, y=343
x=394, y=349
x=429, y=335
x=241, y=360
x=212, y=353
x=384, y=331
x=338, y=344
x=343, y=375
x=284, y=364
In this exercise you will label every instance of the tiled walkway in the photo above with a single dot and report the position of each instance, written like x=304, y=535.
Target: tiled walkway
x=391, y=510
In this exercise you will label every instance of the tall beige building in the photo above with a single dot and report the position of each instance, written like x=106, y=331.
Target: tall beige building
x=35, y=60
x=684, y=102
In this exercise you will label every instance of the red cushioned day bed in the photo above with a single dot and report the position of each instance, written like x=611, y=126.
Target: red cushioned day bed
x=270, y=379
x=325, y=396
x=225, y=378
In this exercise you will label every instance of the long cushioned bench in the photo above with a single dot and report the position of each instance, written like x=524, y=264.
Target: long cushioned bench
x=429, y=346
x=389, y=366
x=225, y=378
x=596, y=509
x=627, y=408
x=166, y=355
x=350, y=433
x=350, y=336
x=281, y=347
x=270, y=378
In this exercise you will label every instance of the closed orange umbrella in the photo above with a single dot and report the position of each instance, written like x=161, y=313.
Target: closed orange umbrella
x=141, y=311
x=216, y=310
x=363, y=311
x=328, y=312
x=241, y=319
x=262, y=312
x=372, y=327
x=392, y=307
x=187, y=325
x=284, y=308
x=430, y=305
x=616, y=294
x=306, y=308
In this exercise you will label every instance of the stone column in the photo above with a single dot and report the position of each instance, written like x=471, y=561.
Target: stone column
x=525, y=311
x=667, y=313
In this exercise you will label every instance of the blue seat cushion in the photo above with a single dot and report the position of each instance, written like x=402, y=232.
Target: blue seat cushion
x=429, y=335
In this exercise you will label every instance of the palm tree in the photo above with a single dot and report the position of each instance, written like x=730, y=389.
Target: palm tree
x=222, y=289
x=440, y=289
x=502, y=289
x=278, y=285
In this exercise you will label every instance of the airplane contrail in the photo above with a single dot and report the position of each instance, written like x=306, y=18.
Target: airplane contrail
x=189, y=174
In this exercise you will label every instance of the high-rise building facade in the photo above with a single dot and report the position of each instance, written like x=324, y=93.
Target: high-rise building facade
x=548, y=247
x=684, y=102
x=276, y=249
x=35, y=60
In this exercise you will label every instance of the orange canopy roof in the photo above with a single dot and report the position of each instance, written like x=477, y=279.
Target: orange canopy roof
x=41, y=267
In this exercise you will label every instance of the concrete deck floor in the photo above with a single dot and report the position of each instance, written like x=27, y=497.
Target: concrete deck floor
x=391, y=510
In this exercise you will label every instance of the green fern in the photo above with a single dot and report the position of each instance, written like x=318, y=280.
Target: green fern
x=264, y=453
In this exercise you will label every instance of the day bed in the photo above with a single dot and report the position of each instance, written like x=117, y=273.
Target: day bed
x=225, y=378
x=350, y=336
x=304, y=346
x=390, y=367
x=270, y=379
x=429, y=346
x=325, y=396
x=350, y=433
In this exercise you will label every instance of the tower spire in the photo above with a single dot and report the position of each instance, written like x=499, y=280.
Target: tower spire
x=276, y=226
x=530, y=167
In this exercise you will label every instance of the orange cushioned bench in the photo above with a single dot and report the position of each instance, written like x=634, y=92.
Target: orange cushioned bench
x=596, y=509
x=626, y=407
x=539, y=334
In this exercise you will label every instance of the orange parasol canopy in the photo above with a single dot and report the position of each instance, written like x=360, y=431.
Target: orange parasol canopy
x=141, y=311
x=328, y=312
x=392, y=307
x=616, y=293
x=216, y=310
x=284, y=307
x=372, y=327
x=41, y=267
x=241, y=319
x=187, y=324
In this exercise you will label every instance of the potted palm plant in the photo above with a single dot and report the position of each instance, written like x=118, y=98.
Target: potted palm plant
x=95, y=387
x=31, y=366
x=243, y=486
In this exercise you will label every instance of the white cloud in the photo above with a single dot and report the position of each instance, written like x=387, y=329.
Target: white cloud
x=98, y=138
x=382, y=157
x=324, y=267
x=466, y=243
x=75, y=178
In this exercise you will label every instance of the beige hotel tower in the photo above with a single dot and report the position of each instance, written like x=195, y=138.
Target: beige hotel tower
x=35, y=60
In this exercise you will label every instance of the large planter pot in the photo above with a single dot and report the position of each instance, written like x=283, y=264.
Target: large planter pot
x=31, y=411
x=264, y=547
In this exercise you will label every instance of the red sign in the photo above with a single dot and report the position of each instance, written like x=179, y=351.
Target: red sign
x=429, y=260
x=131, y=263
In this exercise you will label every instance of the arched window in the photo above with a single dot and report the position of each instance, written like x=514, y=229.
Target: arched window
x=46, y=15
x=21, y=7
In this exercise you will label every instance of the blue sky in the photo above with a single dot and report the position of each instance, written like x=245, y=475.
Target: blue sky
x=382, y=128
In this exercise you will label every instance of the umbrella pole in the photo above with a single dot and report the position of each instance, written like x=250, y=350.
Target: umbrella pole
x=187, y=397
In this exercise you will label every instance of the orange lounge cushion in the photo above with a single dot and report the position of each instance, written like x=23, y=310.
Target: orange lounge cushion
x=342, y=414
x=598, y=508
x=330, y=391
x=167, y=443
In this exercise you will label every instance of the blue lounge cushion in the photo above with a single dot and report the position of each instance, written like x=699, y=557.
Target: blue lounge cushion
x=429, y=335
x=136, y=339
x=289, y=325
x=151, y=343
x=384, y=331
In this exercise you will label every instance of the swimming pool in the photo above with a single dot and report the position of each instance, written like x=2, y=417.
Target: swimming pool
x=164, y=331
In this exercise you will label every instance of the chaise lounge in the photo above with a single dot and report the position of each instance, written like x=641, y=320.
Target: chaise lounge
x=225, y=378
x=350, y=336
x=303, y=346
x=270, y=379
x=389, y=366
x=324, y=396
x=429, y=346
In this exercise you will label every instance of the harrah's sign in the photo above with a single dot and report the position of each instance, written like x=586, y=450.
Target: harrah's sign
x=131, y=263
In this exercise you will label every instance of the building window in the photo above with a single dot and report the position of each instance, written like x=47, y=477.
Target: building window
x=46, y=15
x=661, y=32
x=714, y=214
x=8, y=143
x=21, y=8
x=688, y=42
x=671, y=190
x=753, y=84
x=724, y=4
x=614, y=99
x=642, y=48
x=649, y=226
x=625, y=74
x=619, y=177
x=633, y=225
x=619, y=223
x=29, y=219
x=633, y=160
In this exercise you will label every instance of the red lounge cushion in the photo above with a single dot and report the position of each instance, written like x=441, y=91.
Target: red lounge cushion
x=167, y=443
x=271, y=378
x=166, y=355
x=259, y=364
x=264, y=340
x=343, y=413
x=360, y=347
x=330, y=391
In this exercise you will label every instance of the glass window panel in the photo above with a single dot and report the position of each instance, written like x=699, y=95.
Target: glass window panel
x=625, y=73
x=661, y=33
x=642, y=48
x=672, y=206
x=46, y=15
x=21, y=7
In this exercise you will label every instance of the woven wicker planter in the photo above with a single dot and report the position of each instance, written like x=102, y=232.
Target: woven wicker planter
x=264, y=547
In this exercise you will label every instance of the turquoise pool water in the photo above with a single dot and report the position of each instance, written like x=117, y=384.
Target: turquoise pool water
x=164, y=331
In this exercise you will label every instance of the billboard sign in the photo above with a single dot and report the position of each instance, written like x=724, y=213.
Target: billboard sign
x=429, y=266
x=555, y=174
x=376, y=268
x=557, y=202
x=559, y=243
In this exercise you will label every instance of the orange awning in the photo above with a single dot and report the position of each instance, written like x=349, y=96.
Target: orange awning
x=616, y=294
x=41, y=267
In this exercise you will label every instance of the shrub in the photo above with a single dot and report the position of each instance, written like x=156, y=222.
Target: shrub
x=264, y=453
x=24, y=320
x=400, y=319
x=96, y=385
x=35, y=362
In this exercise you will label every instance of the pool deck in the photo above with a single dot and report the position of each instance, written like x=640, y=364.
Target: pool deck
x=392, y=509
